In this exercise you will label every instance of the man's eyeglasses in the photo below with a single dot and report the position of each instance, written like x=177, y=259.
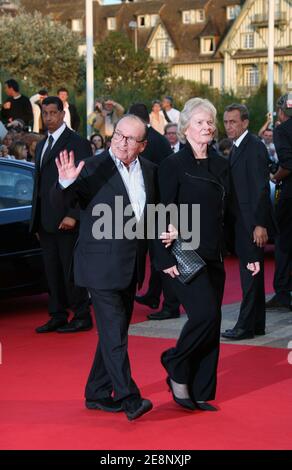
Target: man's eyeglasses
x=118, y=136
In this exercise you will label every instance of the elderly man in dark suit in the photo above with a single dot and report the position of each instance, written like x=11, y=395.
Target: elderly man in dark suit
x=58, y=233
x=252, y=214
x=111, y=266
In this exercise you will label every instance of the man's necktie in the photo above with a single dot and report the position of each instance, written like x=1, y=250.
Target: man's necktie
x=48, y=149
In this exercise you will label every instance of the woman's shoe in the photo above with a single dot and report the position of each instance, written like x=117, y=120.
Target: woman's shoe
x=184, y=402
x=204, y=406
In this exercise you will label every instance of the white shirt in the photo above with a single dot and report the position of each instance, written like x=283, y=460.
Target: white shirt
x=132, y=177
x=175, y=148
x=55, y=136
x=67, y=118
x=238, y=141
x=173, y=115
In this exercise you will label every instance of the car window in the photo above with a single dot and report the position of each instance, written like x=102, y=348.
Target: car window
x=16, y=187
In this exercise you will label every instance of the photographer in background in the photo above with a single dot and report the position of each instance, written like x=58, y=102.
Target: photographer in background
x=105, y=117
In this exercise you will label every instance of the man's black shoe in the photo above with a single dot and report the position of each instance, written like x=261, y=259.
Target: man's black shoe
x=104, y=404
x=52, y=325
x=145, y=300
x=237, y=334
x=136, y=408
x=162, y=315
x=76, y=324
x=274, y=304
x=257, y=332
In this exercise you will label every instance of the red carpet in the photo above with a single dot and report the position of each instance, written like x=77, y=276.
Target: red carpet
x=42, y=383
x=43, y=376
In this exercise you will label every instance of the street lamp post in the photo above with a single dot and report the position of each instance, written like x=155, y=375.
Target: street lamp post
x=270, y=94
x=134, y=25
x=89, y=61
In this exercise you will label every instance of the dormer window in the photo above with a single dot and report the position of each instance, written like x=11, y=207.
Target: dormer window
x=193, y=16
x=232, y=12
x=77, y=25
x=111, y=23
x=147, y=21
x=208, y=45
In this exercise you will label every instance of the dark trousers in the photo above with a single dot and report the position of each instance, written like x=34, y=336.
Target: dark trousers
x=252, y=314
x=283, y=252
x=111, y=370
x=157, y=285
x=57, y=254
x=194, y=359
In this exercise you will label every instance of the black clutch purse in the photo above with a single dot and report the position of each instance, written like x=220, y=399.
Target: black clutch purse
x=189, y=263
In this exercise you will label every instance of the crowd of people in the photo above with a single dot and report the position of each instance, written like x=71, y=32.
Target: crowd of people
x=163, y=156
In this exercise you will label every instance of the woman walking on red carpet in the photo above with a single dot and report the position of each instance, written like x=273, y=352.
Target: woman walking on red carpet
x=196, y=175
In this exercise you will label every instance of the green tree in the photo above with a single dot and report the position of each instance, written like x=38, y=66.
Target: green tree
x=127, y=75
x=37, y=50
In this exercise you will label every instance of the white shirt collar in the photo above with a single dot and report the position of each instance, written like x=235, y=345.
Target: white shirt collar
x=238, y=141
x=58, y=132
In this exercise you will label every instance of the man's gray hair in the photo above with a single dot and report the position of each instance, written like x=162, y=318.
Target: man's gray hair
x=190, y=108
x=243, y=111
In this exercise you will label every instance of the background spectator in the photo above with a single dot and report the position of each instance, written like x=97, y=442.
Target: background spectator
x=170, y=113
x=156, y=117
x=36, y=102
x=106, y=115
x=72, y=118
x=17, y=106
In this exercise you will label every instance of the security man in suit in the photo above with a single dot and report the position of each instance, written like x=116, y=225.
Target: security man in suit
x=58, y=233
x=251, y=210
x=283, y=177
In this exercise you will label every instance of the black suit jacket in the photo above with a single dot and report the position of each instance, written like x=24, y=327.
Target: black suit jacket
x=185, y=181
x=157, y=148
x=105, y=263
x=283, y=144
x=43, y=214
x=250, y=189
x=75, y=118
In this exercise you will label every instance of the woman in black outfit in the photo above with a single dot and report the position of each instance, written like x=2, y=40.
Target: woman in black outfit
x=196, y=175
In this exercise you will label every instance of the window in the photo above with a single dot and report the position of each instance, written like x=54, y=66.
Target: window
x=16, y=187
x=207, y=76
x=207, y=45
x=154, y=20
x=232, y=12
x=77, y=25
x=200, y=16
x=111, y=23
x=147, y=21
x=251, y=76
x=248, y=41
x=162, y=49
x=193, y=16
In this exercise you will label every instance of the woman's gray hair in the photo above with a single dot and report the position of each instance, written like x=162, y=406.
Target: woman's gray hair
x=189, y=109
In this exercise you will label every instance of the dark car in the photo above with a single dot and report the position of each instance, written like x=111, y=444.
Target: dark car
x=21, y=265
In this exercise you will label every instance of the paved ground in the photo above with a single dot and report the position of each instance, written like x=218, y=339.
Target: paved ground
x=278, y=329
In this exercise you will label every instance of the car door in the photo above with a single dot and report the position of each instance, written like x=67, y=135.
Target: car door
x=20, y=254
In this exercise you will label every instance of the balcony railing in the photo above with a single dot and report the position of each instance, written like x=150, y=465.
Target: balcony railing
x=262, y=19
